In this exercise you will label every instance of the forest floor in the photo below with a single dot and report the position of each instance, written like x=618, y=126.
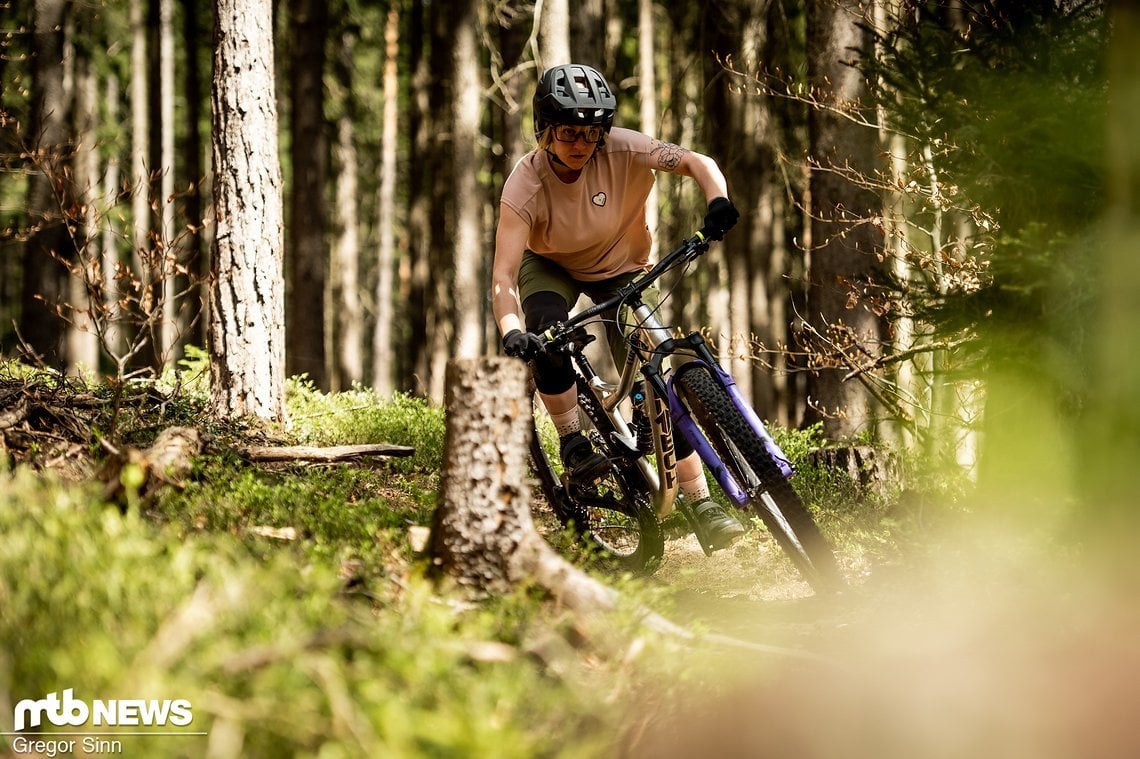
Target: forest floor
x=955, y=636
x=749, y=590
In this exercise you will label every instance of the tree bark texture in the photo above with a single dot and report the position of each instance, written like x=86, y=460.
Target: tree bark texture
x=469, y=282
x=844, y=246
x=482, y=533
x=383, y=358
x=171, y=330
x=554, y=35
x=247, y=314
x=140, y=141
x=647, y=102
x=82, y=343
x=483, y=513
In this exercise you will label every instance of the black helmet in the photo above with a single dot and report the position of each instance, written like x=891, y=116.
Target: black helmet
x=573, y=94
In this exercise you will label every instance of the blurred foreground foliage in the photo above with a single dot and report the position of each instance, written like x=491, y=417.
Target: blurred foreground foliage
x=276, y=654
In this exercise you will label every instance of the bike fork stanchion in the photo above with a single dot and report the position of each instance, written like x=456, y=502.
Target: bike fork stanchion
x=683, y=421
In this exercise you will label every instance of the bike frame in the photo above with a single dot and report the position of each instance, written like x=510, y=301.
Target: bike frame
x=649, y=344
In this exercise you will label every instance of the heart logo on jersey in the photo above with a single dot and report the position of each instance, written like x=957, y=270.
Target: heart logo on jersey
x=599, y=200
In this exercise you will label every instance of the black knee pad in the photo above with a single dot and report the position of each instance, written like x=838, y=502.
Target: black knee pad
x=543, y=309
x=552, y=374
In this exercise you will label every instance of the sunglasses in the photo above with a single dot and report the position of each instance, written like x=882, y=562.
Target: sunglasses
x=566, y=133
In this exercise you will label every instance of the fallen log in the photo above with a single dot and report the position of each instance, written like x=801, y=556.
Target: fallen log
x=143, y=472
x=329, y=454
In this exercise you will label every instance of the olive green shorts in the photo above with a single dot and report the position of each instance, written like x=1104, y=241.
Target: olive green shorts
x=538, y=274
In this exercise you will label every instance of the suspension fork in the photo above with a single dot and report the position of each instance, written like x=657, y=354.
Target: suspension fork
x=662, y=475
x=694, y=346
x=700, y=349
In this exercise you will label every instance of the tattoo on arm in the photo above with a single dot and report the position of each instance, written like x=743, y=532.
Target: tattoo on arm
x=668, y=155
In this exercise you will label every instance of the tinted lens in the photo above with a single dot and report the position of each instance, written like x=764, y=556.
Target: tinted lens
x=565, y=133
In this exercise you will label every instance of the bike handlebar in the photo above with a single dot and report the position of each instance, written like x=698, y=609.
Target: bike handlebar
x=687, y=251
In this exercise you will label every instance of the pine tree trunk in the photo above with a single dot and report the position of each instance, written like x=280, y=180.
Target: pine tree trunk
x=554, y=37
x=346, y=312
x=588, y=33
x=140, y=142
x=844, y=249
x=196, y=261
x=647, y=101
x=83, y=345
x=512, y=47
x=44, y=275
x=169, y=244
x=469, y=284
x=113, y=332
x=247, y=313
x=441, y=207
x=306, y=251
x=383, y=361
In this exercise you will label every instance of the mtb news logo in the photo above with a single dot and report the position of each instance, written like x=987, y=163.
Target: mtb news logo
x=69, y=711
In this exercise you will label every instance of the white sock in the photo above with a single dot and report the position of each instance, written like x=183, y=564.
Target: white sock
x=566, y=423
x=696, y=489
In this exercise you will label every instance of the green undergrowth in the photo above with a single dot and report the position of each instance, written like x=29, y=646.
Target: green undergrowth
x=288, y=605
x=874, y=523
x=357, y=416
x=275, y=652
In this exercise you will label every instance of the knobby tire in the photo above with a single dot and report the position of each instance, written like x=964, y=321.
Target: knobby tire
x=742, y=450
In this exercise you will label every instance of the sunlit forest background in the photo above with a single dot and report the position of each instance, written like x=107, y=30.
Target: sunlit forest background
x=937, y=260
x=914, y=178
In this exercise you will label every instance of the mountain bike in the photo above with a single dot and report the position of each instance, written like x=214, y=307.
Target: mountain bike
x=670, y=385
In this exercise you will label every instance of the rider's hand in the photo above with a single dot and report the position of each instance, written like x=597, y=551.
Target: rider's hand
x=524, y=345
x=721, y=217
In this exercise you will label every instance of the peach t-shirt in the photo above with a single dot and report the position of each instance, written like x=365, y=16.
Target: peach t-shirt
x=595, y=226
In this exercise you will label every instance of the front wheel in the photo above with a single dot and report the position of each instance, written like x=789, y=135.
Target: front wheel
x=772, y=496
x=613, y=517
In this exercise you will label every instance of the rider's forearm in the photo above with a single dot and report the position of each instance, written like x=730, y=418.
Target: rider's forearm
x=505, y=305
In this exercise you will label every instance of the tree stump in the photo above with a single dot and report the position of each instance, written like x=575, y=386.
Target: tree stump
x=869, y=469
x=483, y=515
x=482, y=532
